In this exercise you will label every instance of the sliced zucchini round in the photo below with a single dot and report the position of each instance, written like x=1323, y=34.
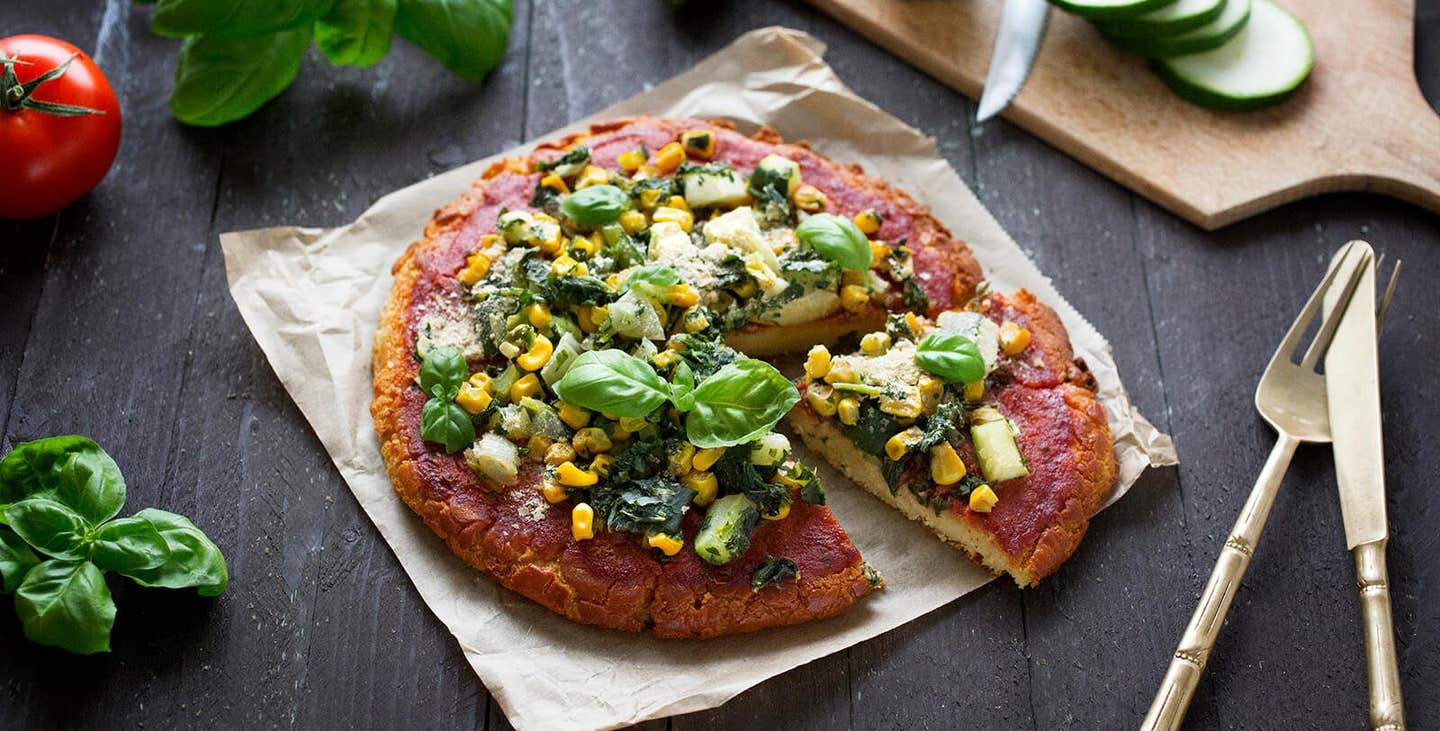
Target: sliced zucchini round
x=1173, y=19
x=1263, y=65
x=1109, y=9
x=1212, y=35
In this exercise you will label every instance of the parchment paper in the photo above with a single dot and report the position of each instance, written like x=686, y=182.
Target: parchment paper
x=312, y=298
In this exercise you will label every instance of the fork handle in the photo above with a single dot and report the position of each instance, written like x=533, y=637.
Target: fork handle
x=1386, y=711
x=1168, y=709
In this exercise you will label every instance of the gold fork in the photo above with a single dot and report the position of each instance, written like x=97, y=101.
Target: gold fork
x=1291, y=398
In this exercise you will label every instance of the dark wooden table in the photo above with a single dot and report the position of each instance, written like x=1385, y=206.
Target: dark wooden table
x=115, y=322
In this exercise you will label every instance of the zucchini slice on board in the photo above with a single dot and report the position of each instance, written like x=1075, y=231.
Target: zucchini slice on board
x=1261, y=66
x=1109, y=9
x=1170, y=20
x=1207, y=37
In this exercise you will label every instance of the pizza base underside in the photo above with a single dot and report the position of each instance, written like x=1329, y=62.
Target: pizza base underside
x=611, y=581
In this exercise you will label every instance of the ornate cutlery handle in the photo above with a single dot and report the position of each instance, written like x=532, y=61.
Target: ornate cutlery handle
x=1386, y=711
x=1168, y=709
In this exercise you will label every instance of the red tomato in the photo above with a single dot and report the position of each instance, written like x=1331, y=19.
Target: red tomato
x=48, y=160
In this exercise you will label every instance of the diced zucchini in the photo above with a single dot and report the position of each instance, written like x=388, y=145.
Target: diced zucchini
x=634, y=317
x=1000, y=457
x=565, y=353
x=775, y=172
x=725, y=532
x=563, y=325
x=712, y=186
x=770, y=450
x=514, y=421
x=543, y=419
x=505, y=381
x=495, y=458
x=514, y=225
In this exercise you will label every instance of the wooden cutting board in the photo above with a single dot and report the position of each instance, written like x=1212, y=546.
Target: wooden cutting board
x=1358, y=123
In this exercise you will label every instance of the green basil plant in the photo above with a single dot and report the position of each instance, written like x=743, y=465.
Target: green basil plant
x=59, y=535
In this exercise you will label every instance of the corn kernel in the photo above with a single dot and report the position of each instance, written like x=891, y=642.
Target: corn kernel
x=898, y=445
x=822, y=405
x=849, y=276
x=854, y=298
x=907, y=407
x=849, y=411
x=565, y=264
x=633, y=222
x=915, y=322
x=868, y=221
x=699, y=142
x=677, y=202
x=665, y=358
x=667, y=545
x=582, y=522
x=681, y=295
x=574, y=416
x=780, y=514
x=695, y=319
x=473, y=399
x=553, y=491
x=982, y=499
x=592, y=175
x=646, y=172
x=875, y=343
x=841, y=372
x=682, y=459
x=685, y=219
x=633, y=423
x=590, y=318
x=974, y=392
x=538, y=354
x=746, y=289
x=808, y=198
x=481, y=381
x=879, y=254
x=704, y=484
x=582, y=245
x=1013, y=338
x=539, y=316
x=559, y=453
x=572, y=476
x=669, y=157
x=946, y=467
x=477, y=265
x=555, y=182
x=592, y=440
x=618, y=435
x=649, y=198
x=537, y=446
x=631, y=161
x=602, y=464
x=526, y=385
x=817, y=362
x=706, y=458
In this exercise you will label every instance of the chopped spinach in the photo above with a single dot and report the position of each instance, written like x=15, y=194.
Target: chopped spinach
x=872, y=428
x=645, y=505
x=774, y=570
x=705, y=355
x=737, y=474
x=578, y=156
x=914, y=297
x=809, y=269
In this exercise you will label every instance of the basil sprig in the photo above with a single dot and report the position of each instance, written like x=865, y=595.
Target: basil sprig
x=59, y=497
x=596, y=205
x=443, y=421
x=837, y=239
x=739, y=403
x=951, y=356
x=239, y=55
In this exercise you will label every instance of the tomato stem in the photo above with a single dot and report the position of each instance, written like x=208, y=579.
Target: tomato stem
x=20, y=96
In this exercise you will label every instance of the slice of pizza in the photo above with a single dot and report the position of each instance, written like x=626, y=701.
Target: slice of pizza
x=981, y=425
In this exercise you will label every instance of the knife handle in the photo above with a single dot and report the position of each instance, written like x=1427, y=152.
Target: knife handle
x=1387, y=713
x=1167, y=711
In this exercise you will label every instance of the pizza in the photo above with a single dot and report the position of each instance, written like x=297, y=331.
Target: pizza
x=570, y=387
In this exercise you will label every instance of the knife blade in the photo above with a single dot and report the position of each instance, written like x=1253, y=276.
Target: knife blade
x=1022, y=26
x=1352, y=381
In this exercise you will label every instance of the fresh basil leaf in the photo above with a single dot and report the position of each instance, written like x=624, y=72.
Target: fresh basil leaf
x=220, y=80
x=596, y=205
x=612, y=382
x=446, y=424
x=128, y=545
x=49, y=526
x=443, y=372
x=68, y=605
x=191, y=558
x=16, y=560
x=951, y=356
x=652, y=279
x=468, y=36
x=836, y=238
x=232, y=18
x=739, y=404
x=682, y=387
x=356, y=32
x=72, y=470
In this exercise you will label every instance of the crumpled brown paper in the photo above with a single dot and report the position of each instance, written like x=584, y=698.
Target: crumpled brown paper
x=312, y=297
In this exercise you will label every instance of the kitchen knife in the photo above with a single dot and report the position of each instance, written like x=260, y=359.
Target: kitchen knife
x=1352, y=382
x=1022, y=26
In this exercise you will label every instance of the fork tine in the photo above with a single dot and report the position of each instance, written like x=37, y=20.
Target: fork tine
x=1383, y=308
x=1332, y=322
x=1302, y=321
